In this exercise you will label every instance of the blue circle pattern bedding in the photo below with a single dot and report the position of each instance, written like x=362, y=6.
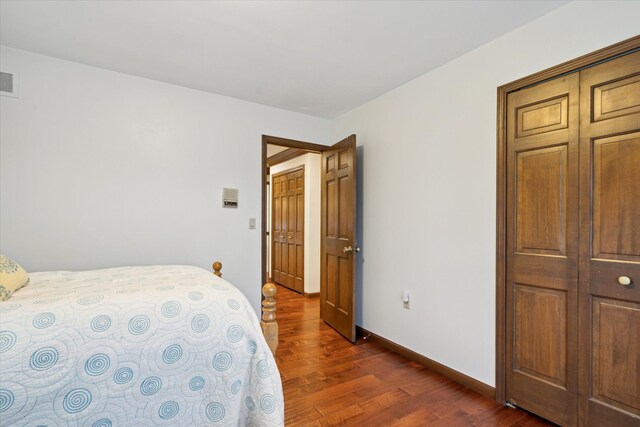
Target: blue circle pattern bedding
x=135, y=346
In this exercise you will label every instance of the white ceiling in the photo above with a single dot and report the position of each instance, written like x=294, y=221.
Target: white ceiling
x=321, y=58
x=275, y=149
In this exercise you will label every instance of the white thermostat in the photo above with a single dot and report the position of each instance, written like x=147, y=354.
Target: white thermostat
x=229, y=197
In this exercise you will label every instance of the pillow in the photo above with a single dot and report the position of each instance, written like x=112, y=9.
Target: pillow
x=12, y=277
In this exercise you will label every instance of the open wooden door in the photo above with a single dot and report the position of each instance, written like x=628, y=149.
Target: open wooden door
x=338, y=238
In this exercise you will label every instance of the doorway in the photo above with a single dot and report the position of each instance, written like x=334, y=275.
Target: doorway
x=291, y=214
x=293, y=241
x=337, y=217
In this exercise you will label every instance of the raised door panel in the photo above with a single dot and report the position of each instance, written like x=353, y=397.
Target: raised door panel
x=331, y=233
x=344, y=194
x=277, y=260
x=616, y=197
x=616, y=355
x=345, y=275
x=292, y=219
x=330, y=296
x=540, y=339
x=616, y=99
x=541, y=201
x=542, y=117
x=299, y=269
x=330, y=163
x=299, y=228
x=284, y=248
x=291, y=267
x=331, y=208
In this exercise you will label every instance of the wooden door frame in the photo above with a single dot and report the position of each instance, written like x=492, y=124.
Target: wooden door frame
x=303, y=148
x=587, y=60
x=273, y=176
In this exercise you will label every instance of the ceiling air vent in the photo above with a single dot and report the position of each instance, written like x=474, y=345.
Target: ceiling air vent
x=8, y=85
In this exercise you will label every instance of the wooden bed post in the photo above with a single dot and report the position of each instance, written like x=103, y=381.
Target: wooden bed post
x=217, y=266
x=269, y=323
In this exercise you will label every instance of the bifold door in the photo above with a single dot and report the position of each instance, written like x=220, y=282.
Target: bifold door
x=573, y=246
x=542, y=242
x=610, y=243
x=288, y=229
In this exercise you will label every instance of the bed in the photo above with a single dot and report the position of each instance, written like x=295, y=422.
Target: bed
x=136, y=346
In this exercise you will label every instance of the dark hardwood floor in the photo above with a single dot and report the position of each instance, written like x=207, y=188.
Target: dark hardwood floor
x=328, y=381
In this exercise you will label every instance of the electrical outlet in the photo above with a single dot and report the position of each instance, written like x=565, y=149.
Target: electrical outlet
x=406, y=300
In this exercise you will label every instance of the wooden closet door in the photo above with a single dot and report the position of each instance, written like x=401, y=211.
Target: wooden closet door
x=295, y=230
x=610, y=236
x=278, y=229
x=288, y=229
x=542, y=249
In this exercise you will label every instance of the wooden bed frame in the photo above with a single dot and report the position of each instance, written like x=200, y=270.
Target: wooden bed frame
x=269, y=323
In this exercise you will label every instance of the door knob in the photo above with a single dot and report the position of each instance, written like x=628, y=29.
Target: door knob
x=624, y=280
x=349, y=249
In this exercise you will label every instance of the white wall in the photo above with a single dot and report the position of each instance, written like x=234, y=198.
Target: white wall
x=101, y=169
x=312, y=165
x=429, y=185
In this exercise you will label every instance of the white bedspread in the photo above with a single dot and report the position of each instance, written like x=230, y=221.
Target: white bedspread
x=135, y=346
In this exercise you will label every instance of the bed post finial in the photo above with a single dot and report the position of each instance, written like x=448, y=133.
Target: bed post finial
x=217, y=266
x=269, y=323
